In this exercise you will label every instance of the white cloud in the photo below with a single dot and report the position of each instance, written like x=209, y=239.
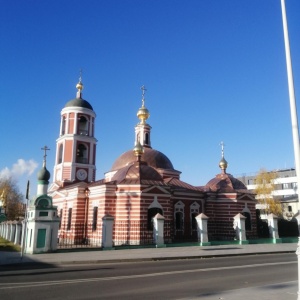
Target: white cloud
x=20, y=168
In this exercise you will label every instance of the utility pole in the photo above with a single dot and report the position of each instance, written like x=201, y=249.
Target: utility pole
x=294, y=118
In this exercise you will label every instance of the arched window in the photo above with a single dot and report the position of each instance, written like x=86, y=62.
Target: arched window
x=95, y=218
x=60, y=217
x=179, y=220
x=179, y=216
x=81, y=154
x=63, y=126
x=83, y=126
x=146, y=138
x=152, y=213
x=246, y=213
x=248, y=220
x=60, y=154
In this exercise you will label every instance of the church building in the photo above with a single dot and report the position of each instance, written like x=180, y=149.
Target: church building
x=141, y=183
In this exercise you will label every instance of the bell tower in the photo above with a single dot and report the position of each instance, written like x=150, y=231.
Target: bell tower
x=76, y=145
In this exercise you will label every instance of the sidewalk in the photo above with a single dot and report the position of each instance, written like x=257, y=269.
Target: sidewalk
x=143, y=254
x=285, y=290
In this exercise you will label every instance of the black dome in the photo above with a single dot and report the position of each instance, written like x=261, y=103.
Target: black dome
x=79, y=102
x=43, y=174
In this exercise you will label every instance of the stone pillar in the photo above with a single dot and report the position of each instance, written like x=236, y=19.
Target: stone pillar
x=17, y=240
x=202, y=229
x=158, y=230
x=273, y=228
x=107, y=232
x=239, y=226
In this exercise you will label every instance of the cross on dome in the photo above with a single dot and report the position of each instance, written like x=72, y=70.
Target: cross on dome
x=223, y=163
x=222, y=148
x=45, y=148
x=143, y=88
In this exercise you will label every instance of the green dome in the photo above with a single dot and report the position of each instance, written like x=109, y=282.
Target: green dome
x=79, y=102
x=43, y=175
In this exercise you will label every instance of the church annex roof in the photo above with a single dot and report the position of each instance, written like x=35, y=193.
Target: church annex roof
x=225, y=183
x=137, y=171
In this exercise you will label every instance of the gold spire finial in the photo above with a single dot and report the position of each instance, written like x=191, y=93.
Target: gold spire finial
x=143, y=113
x=79, y=85
x=138, y=150
x=223, y=163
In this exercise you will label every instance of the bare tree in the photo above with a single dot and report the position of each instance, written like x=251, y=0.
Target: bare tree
x=11, y=198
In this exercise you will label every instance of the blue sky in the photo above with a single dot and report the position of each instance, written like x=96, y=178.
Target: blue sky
x=214, y=71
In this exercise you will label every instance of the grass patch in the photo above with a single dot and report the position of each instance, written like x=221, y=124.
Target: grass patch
x=5, y=245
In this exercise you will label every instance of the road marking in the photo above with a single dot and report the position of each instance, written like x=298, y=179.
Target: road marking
x=13, y=285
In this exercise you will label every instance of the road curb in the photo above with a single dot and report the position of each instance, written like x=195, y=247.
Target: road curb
x=126, y=260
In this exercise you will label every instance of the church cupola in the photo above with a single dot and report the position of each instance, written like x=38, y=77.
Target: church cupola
x=223, y=163
x=76, y=145
x=138, y=150
x=142, y=129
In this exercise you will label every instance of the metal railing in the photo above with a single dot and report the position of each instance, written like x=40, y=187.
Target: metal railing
x=79, y=235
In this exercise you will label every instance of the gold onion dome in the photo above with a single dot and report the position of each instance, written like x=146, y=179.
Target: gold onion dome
x=223, y=164
x=143, y=114
x=138, y=149
x=79, y=86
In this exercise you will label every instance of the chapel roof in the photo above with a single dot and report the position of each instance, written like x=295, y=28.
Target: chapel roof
x=225, y=183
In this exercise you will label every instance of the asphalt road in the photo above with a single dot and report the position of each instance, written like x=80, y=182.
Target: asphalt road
x=173, y=279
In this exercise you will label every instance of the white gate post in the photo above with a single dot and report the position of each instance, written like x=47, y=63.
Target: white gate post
x=273, y=228
x=240, y=228
x=107, y=232
x=202, y=220
x=158, y=230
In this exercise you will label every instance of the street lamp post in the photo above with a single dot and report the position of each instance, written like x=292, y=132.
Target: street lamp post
x=294, y=119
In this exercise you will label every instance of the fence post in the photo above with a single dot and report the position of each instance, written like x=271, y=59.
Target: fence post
x=273, y=228
x=17, y=240
x=8, y=230
x=239, y=227
x=12, y=231
x=107, y=232
x=158, y=230
x=202, y=229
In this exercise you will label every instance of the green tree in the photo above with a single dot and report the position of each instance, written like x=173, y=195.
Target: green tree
x=11, y=198
x=265, y=185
